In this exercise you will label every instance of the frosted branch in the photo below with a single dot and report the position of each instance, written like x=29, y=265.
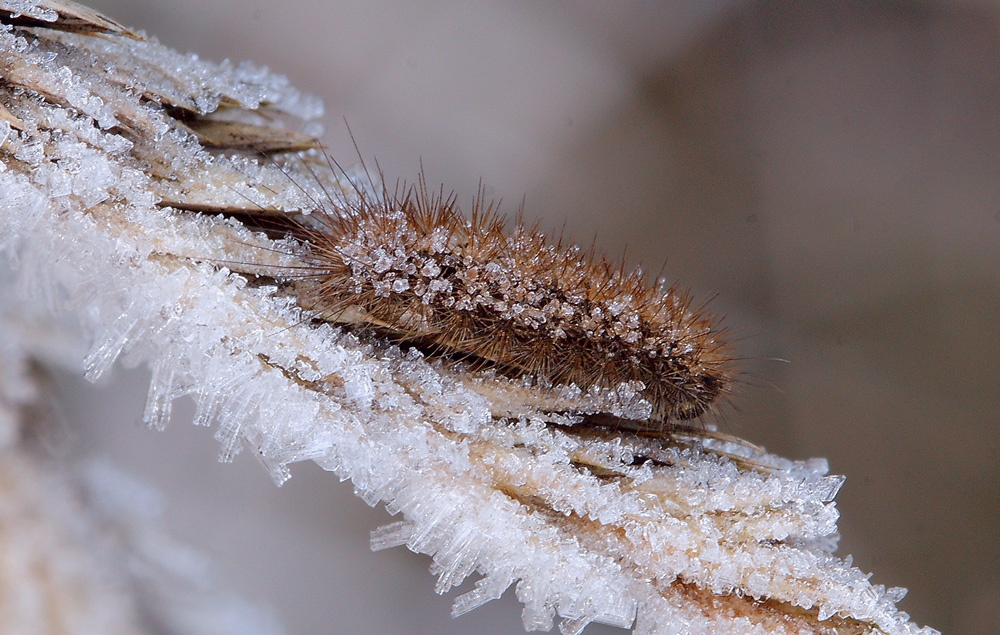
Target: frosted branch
x=107, y=139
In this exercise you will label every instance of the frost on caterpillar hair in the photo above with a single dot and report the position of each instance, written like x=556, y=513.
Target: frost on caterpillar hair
x=409, y=265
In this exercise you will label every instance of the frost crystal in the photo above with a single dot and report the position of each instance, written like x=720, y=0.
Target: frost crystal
x=112, y=144
x=82, y=546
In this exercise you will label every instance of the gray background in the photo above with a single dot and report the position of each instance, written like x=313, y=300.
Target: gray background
x=828, y=171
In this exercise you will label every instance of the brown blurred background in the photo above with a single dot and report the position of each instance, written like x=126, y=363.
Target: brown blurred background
x=828, y=171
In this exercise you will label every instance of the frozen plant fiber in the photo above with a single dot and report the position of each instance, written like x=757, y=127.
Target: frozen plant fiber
x=112, y=142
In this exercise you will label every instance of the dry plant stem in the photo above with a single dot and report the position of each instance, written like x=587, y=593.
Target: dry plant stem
x=690, y=534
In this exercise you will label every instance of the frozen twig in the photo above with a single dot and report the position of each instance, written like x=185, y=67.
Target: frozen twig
x=112, y=144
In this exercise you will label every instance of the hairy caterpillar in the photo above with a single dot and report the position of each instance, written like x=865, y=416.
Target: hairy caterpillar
x=411, y=267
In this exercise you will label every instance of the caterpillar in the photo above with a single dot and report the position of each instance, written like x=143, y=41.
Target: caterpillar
x=410, y=266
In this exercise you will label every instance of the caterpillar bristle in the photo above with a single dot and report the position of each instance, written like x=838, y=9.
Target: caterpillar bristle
x=410, y=266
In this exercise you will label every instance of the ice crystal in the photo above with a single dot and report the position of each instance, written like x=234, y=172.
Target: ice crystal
x=82, y=545
x=105, y=164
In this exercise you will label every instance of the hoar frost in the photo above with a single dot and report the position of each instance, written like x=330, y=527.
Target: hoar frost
x=101, y=157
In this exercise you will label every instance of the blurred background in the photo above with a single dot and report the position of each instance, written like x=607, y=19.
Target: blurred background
x=827, y=173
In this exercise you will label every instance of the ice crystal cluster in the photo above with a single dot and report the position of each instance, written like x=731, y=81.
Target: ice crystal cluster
x=113, y=147
x=83, y=549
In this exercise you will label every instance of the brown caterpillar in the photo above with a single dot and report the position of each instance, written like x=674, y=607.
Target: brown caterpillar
x=410, y=266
